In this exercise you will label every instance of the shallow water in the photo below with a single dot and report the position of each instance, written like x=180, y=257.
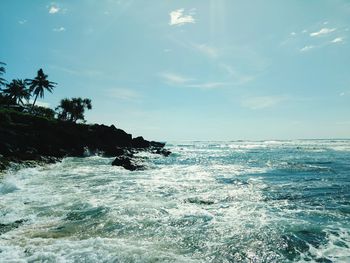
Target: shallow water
x=268, y=201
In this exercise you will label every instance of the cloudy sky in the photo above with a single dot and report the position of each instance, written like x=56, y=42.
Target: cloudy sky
x=191, y=70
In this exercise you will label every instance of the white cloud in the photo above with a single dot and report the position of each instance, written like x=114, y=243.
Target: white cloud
x=337, y=40
x=262, y=102
x=174, y=78
x=22, y=22
x=208, y=85
x=343, y=123
x=86, y=72
x=293, y=33
x=306, y=48
x=54, y=9
x=342, y=94
x=237, y=77
x=177, y=17
x=229, y=69
x=59, y=29
x=123, y=94
x=179, y=80
x=207, y=50
x=323, y=31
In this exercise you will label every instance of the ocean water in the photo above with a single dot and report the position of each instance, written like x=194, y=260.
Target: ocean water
x=240, y=201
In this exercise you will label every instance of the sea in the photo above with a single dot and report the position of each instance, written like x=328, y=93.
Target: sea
x=234, y=201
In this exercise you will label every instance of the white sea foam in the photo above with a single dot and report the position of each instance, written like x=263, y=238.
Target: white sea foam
x=7, y=186
x=203, y=204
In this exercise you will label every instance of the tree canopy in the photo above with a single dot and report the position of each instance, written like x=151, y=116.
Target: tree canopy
x=2, y=72
x=39, y=84
x=17, y=90
x=17, y=93
x=73, y=109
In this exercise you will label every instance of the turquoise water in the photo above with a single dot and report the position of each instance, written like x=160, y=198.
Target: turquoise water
x=268, y=201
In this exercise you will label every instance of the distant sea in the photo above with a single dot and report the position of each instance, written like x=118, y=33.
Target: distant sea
x=239, y=201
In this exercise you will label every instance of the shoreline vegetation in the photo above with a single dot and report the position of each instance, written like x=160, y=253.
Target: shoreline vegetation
x=34, y=135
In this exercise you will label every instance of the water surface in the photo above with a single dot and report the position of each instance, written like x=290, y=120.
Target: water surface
x=268, y=201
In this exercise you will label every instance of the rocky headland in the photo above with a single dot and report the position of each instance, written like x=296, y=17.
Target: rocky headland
x=32, y=140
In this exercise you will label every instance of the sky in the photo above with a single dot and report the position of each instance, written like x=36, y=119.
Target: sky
x=190, y=70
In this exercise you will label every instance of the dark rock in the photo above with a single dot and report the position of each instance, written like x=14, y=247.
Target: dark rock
x=140, y=142
x=4, y=163
x=123, y=151
x=24, y=137
x=199, y=201
x=127, y=162
x=49, y=159
x=157, y=144
x=163, y=152
x=8, y=227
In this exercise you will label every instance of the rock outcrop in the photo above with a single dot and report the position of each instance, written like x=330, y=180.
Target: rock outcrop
x=24, y=137
x=128, y=162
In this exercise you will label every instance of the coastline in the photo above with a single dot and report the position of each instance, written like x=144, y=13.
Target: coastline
x=32, y=140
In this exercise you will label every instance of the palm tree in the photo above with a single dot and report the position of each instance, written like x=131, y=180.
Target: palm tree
x=17, y=91
x=73, y=109
x=2, y=72
x=39, y=84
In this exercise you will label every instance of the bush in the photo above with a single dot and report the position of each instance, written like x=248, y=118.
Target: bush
x=44, y=112
x=41, y=111
x=5, y=118
x=5, y=100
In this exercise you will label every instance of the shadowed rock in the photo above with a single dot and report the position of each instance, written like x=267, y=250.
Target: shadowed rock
x=128, y=163
x=162, y=151
x=24, y=137
x=140, y=142
x=8, y=227
x=195, y=200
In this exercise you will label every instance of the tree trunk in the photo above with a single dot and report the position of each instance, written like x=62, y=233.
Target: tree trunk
x=34, y=102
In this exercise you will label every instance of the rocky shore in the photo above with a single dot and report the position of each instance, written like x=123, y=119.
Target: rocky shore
x=28, y=139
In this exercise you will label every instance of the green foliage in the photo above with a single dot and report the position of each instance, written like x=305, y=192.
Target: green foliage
x=17, y=117
x=39, y=84
x=17, y=91
x=43, y=112
x=2, y=72
x=5, y=100
x=14, y=95
x=73, y=109
x=4, y=117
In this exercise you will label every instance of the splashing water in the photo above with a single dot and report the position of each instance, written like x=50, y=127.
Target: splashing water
x=269, y=201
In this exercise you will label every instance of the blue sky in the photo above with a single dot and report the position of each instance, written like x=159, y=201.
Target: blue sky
x=191, y=70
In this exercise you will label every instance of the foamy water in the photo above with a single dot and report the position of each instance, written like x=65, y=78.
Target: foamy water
x=270, y=201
